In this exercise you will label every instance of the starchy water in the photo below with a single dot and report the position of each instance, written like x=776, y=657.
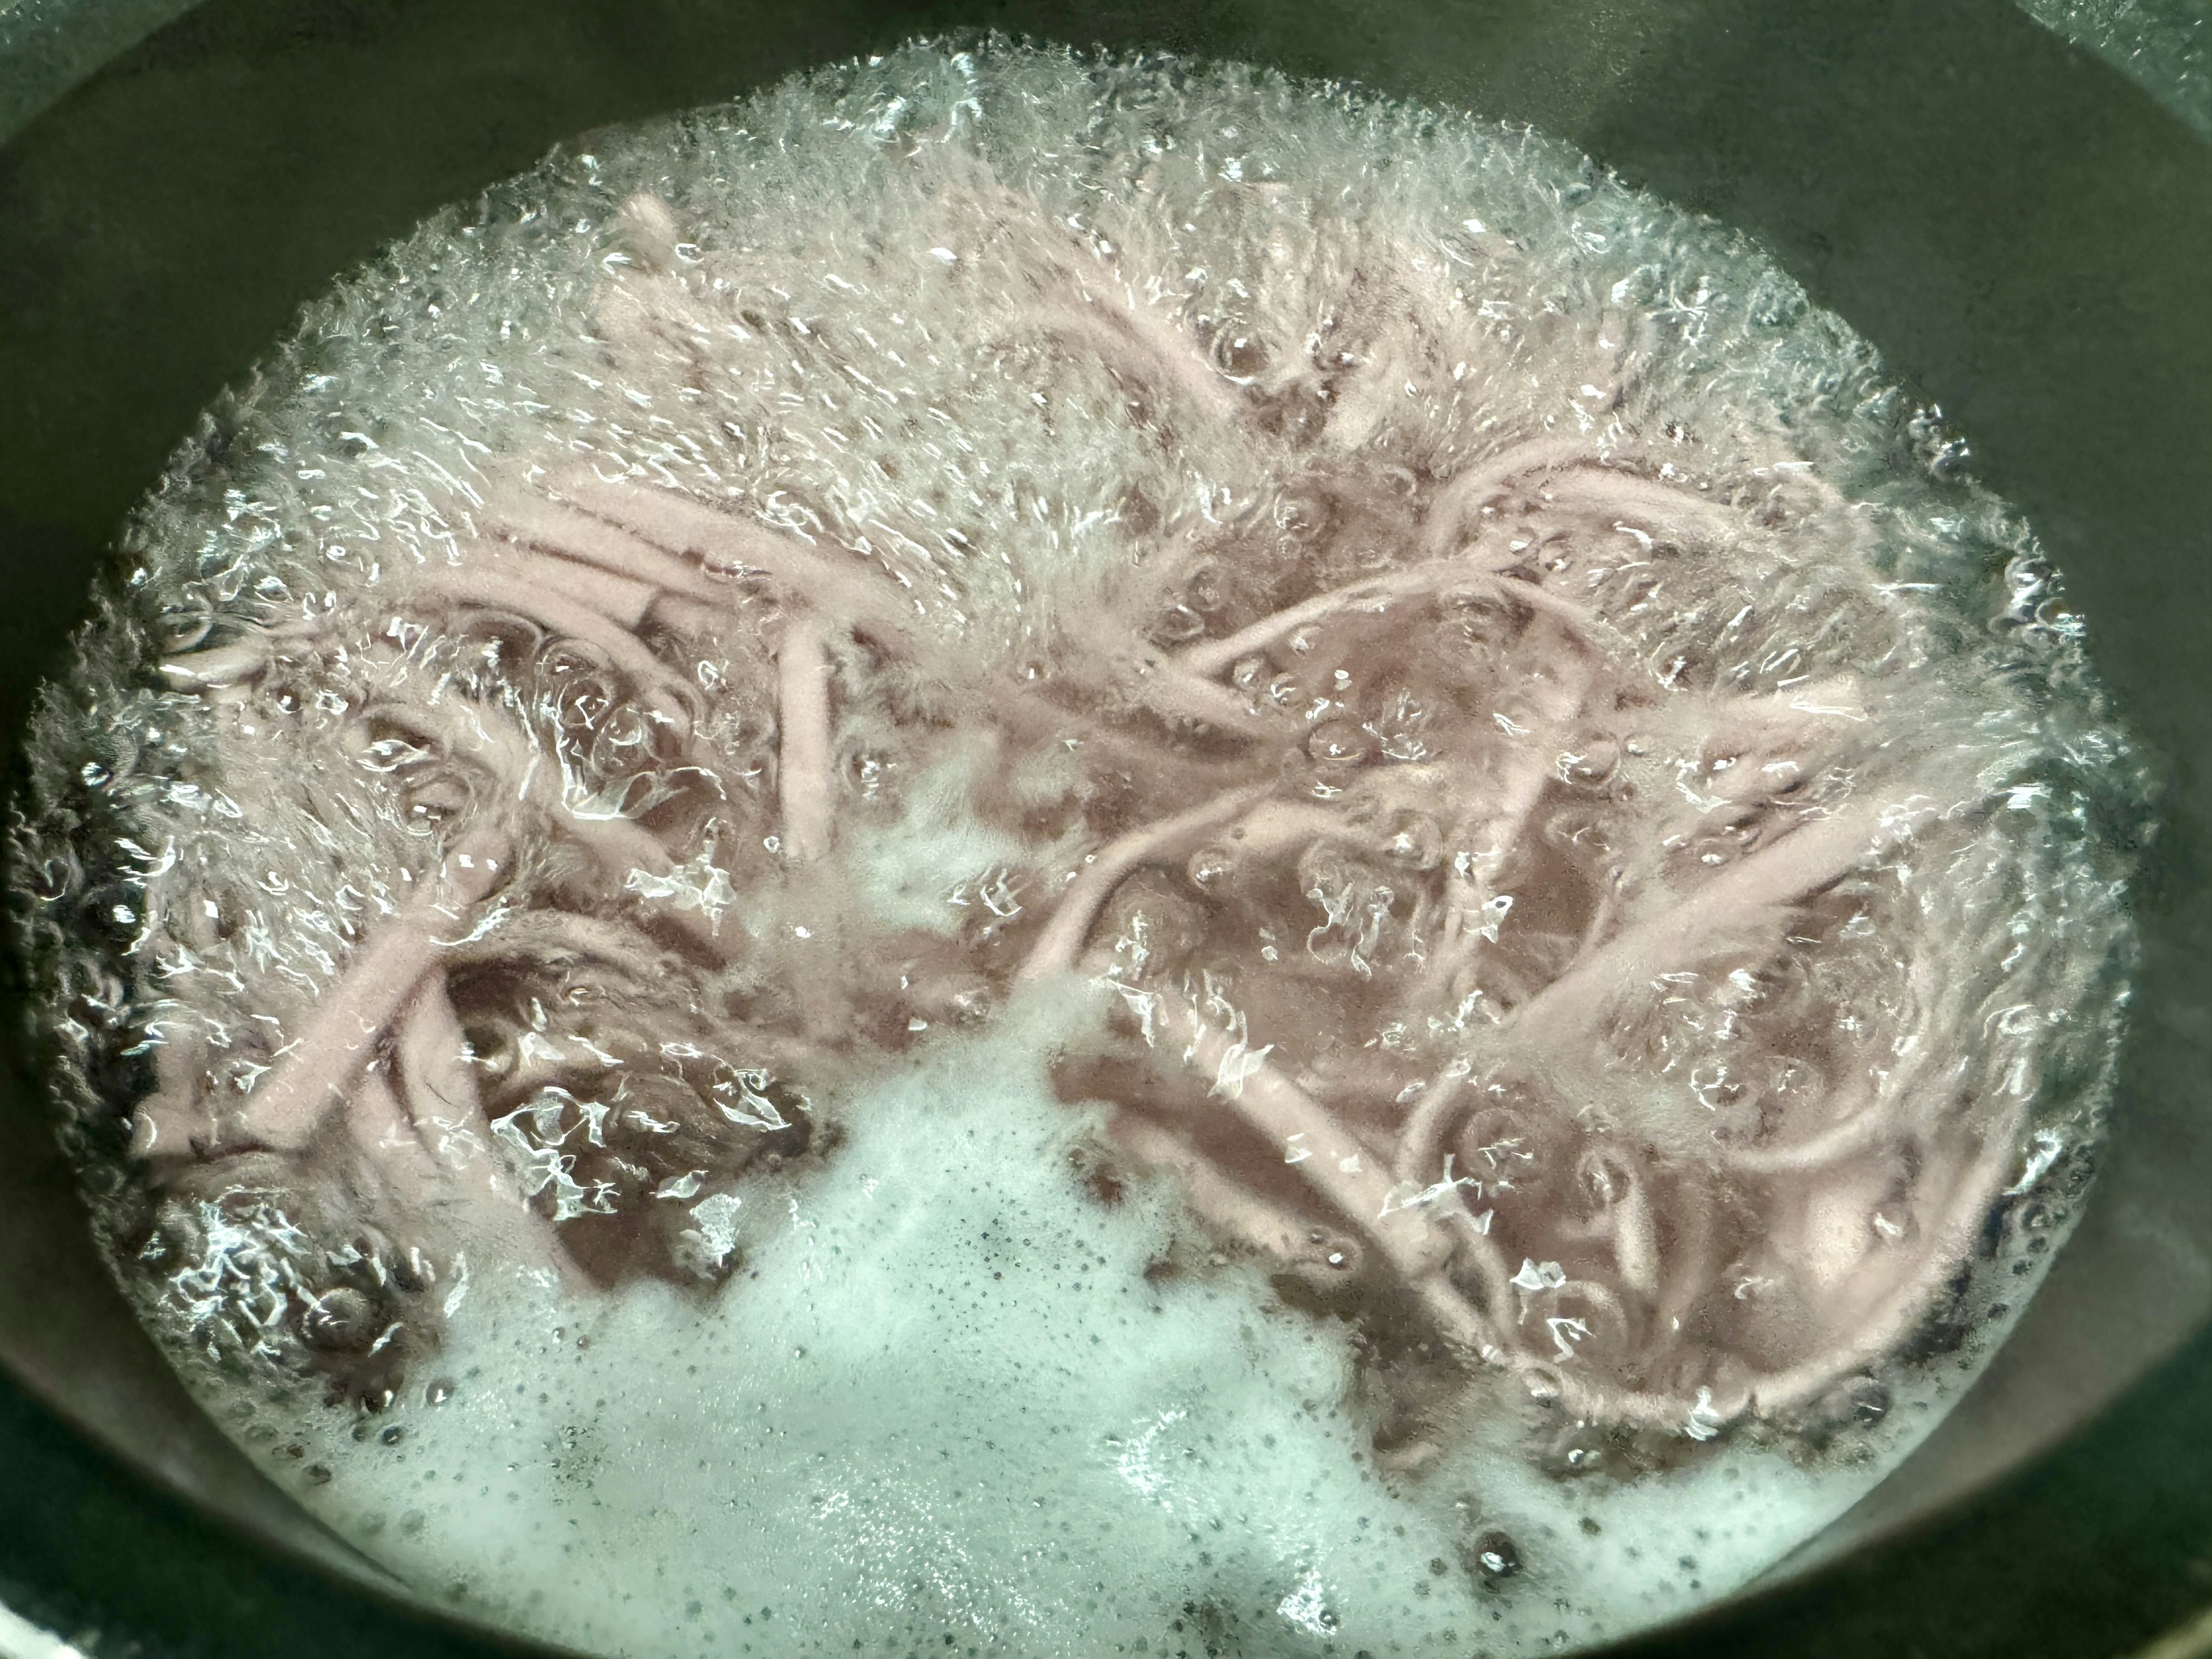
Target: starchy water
x=1031, y=854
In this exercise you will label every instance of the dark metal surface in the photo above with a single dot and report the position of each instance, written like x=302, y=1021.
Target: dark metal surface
x=1999, y=212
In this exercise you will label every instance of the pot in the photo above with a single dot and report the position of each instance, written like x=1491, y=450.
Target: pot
x=2019, y=227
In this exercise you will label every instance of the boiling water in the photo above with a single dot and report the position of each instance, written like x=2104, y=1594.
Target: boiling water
x=1071, y=856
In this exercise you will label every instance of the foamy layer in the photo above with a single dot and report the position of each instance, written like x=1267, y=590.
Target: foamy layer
x=942, y=1403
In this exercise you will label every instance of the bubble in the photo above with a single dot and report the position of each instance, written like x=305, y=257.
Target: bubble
x=1340, y=742
x=339, y=1320
x=1495, y=1556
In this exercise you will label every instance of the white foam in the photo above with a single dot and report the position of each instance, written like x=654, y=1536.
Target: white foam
x=942, y=1400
